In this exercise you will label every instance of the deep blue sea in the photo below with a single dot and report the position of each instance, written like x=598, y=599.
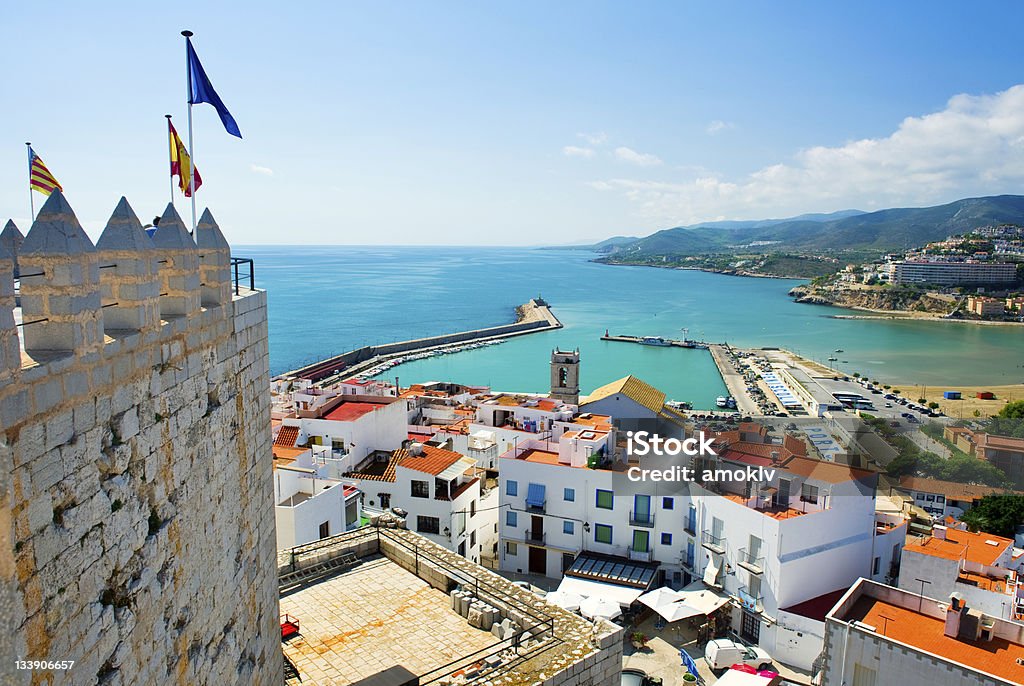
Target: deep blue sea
x=325, y=300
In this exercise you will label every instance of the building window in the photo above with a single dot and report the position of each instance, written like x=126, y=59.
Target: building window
x=325, y=530
x=420, y=489
x=602, y=533
x=605, y=499
x=568, y=528
x=510, y=518
x=876, y=566
x=668, y=503
x=919, y=496
x=472, y=508
x=569, y=495
x=428, y=525
x=666, y=539
x=809, y=493
x=511, y=548
x=512, y=488
x=940, y=498
x=472, y=538
x=691, y=521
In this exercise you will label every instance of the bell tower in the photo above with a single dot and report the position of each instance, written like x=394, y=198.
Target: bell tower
x=565, y=376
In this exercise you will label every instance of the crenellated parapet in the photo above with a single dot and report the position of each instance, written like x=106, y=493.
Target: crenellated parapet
x=136, y=489
x=10, y=240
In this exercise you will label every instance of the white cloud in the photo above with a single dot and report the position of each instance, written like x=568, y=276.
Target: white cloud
x=639, y=158
x=718, y=126
x=971, y=147
x=266, y=171
x=576, y=151
x=594, y=138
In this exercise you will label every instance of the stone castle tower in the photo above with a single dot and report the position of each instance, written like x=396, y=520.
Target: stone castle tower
x=136, y=498
x=565, y=376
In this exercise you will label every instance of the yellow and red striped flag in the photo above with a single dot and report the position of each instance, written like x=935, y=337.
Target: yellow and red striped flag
x=39, y=177
x=181, y=163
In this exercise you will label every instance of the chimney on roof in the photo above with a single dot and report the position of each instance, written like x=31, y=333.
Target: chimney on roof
x=415, y=448
x=956, y=608
x=775, y=457
x=939, y=532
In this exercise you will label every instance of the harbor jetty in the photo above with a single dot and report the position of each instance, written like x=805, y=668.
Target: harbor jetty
x=657, y=341
x=734, y=380
x=533, y=317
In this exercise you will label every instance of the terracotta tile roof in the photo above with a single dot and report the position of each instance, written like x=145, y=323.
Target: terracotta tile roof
x=349, y=410
x=820, y=470
x=960, y=544
x=952, y=490
x=389, y=471
x=633, y=388
x=433, y=460
x=287, y=436
x=997, y=657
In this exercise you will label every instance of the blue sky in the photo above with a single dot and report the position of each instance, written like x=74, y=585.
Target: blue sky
x=515, y=124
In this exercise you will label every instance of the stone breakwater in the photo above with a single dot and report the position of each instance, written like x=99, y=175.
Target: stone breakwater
x=532, y=317
x=136, y=494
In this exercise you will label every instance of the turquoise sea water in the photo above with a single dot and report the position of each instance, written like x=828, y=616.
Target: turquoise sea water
x=326, y=300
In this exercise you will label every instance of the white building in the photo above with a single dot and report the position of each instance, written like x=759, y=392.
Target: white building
x=309, y=505
x=807, y=532
x=439, y=490
x=982, y=568
x=950, y=273
x=943, y=499
x=878, y=635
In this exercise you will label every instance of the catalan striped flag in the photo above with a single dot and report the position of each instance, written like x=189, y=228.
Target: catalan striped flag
x=181, y=163
x=39, y=177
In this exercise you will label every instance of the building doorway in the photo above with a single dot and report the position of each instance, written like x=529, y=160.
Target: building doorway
x=538, y=561
x=750, y=627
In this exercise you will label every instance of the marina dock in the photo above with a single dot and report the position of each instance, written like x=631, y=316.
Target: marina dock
x=657, y=341
x=533, y=317
x=734, y=380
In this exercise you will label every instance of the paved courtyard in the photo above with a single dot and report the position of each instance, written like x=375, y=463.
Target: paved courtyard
x=371, y=617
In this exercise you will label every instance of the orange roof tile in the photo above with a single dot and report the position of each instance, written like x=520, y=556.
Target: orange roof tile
x=431, y=461
x=997, y=657
x=950, y=489
x=287, y=436
x=964, y=545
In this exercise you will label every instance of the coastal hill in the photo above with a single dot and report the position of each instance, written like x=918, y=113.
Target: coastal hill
x=810, y=245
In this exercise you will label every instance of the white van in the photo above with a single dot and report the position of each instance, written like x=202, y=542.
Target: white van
x=722, y=653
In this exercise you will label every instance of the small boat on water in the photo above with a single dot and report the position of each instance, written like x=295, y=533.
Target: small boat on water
x=722, y=401
x=840, y=350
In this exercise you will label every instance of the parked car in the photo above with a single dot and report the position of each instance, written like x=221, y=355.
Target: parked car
x=721, y=653
x=888, y=404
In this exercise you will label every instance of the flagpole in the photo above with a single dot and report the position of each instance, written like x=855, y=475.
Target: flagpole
x=191, y=146
x=170, y=156
x=31, y=198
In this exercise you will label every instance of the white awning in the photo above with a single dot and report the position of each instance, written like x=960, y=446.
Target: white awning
x=711, y=572
x=623, y=595
x=458, y=468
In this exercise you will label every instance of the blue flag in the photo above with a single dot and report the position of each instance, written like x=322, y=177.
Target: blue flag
x=201, y=90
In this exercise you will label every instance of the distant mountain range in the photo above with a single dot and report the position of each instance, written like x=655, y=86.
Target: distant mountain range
x=847, y=230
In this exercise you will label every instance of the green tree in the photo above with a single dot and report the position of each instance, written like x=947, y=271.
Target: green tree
x=996, y=514
x=933, y=405
x=1014, y=410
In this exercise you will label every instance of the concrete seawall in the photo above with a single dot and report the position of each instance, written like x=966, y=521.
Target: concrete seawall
x=534, y=316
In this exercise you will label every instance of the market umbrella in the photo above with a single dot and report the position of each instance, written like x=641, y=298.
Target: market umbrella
x=659, y=596
x=567, y=600
x=595, y=607
x=673, y=612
